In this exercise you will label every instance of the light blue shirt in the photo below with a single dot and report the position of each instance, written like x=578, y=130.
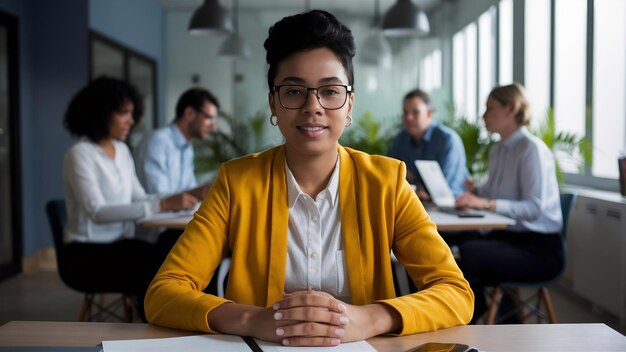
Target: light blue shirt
x=522, y=180
x=164, y=162
x=439, y=143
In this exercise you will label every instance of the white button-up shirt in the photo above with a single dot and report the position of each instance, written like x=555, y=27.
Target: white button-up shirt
x=315, y=254
x=103, y=196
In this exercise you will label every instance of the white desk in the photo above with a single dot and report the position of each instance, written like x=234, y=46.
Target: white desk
x=525, y=337
x=452, y=222
x=444, y=221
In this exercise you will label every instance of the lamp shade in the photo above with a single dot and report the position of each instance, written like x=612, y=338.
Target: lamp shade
x=376, y=51
x=234, y=46
x=405, y=19
x=210, y=18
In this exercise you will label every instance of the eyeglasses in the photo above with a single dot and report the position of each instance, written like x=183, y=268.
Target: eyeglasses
x=331, y=97
x=205, y=115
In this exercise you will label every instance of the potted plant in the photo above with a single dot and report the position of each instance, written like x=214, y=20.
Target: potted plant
x=233, y=139
x=368, y=135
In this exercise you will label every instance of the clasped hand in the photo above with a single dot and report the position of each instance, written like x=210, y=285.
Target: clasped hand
x=310, y=318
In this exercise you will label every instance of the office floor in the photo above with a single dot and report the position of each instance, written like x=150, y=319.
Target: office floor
x=42, y=296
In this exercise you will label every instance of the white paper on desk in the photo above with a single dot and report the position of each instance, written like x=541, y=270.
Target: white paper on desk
x=198, y=343
x=358, y=346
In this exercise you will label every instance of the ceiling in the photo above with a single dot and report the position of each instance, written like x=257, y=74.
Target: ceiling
x=351, y=6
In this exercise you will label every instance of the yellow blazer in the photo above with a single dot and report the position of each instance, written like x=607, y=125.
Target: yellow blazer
x=246, y=213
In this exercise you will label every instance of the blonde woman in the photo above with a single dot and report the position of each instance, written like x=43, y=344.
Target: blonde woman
x=522, y=185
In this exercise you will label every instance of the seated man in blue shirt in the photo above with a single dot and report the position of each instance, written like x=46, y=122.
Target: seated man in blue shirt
x=164, y=159
x=424, y=139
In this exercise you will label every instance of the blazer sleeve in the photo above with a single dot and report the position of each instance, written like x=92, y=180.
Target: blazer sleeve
x=444, y=297
x=175, y=297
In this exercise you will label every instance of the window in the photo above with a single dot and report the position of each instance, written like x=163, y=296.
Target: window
x=459, y=72
x=486, y=57
x=113, y=59
x=505, y=42
x=537, y=57
x=570, y=48
x=555, y=73
x=609, y=86
x=470, y=81
x=464, y=47
x=430, y=77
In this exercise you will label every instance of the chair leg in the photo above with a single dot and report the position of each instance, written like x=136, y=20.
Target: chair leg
x=128, y=308
x=545, y=294
x=86, y=306
x=494, y=303
x=519, y=304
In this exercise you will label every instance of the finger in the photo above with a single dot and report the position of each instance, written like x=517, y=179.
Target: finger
x=310, y=330
x=310, y=299
x=311, y=341
x=312, y=314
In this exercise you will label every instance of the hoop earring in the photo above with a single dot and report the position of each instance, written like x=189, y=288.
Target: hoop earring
x=349, y=122
x=274, y=122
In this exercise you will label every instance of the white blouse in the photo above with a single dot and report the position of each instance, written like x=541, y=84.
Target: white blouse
x=103, y=196
x=315, y=254
x=522, y=180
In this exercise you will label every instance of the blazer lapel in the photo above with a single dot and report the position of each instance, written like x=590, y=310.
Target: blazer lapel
x=278, y=227
x=348, y=184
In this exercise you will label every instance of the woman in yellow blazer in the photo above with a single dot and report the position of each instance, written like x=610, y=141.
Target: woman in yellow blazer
x=310, y=224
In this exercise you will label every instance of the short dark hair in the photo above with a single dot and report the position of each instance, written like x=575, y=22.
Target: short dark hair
x=306, y=31
x=195, y=98
x=92, y=108
x=418, y=93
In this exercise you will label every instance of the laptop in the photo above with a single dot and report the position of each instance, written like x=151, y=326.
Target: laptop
x=437, y=186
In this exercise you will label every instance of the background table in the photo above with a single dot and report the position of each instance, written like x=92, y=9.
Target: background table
x=444, y=221
x=525, y=337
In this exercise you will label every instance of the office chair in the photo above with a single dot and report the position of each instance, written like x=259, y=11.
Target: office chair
x=531, y=306
x=91, y=309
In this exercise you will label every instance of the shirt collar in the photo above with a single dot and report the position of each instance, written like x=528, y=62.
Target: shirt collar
x=514, y=138
x=429, y=132
x=294, y=191
x=178, y=137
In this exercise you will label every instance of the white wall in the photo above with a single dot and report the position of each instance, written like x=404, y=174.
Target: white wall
x=188, y=55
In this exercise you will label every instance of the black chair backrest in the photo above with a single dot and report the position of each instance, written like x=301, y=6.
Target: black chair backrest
x=567, y=199
x=57, y=215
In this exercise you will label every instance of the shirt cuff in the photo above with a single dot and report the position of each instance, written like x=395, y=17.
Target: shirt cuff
x=503, y=206
x=151, y=206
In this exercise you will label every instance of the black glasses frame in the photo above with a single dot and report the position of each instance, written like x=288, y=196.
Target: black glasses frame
x=205, y=115
x=348, y=88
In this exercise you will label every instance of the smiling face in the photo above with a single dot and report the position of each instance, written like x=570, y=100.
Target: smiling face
x=121, y=121
x=311, y=130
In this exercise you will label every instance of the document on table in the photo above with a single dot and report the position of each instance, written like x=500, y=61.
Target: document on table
x=203, y=343
x=358, y=346
x=198, y=343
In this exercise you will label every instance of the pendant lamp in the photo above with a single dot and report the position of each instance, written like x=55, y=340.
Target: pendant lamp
x=404, y=19
x=376, y=50
x=210, y=18
x=234, y=44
